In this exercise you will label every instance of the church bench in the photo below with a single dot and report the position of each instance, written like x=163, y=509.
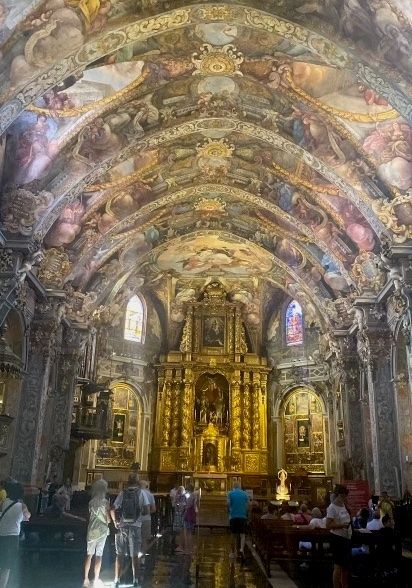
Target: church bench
x=44, y=534
x=279, y=540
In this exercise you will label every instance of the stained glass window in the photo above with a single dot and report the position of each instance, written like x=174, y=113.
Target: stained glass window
x=133, y=328
x=294, y=324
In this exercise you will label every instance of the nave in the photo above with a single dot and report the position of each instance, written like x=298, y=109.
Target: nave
x=163, y=568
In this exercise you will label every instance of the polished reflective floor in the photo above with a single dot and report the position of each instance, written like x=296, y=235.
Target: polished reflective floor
x=209, y=567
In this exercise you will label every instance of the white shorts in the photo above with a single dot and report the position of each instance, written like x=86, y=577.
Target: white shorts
x=96, y=546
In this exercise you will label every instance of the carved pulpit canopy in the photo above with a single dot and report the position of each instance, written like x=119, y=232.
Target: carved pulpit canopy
x=213, y=325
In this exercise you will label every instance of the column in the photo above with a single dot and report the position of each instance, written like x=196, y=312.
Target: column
x=167, y=408
x=256, y=412
x=68, y=368
x=186, y=403
x=176, y=401
x=30, y=453
x=235, y=419
x=246, y=413
x=264, y=412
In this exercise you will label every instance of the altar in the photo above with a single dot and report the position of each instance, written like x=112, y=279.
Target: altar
x=211, y=414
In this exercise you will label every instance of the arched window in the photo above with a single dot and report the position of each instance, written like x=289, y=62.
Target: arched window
x=294, y=324
x=134, y=323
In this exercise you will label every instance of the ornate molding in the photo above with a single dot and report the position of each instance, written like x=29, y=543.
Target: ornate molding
x=125, y=34
x=217, y=61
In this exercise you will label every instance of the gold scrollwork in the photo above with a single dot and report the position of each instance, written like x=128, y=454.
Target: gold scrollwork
x=366, y=271
x=252, y=462
x=393, y=212
x=217, y=61
x=223, y=13
x=167, y=461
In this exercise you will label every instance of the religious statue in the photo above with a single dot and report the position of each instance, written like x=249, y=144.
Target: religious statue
x=209, y=455
x=204, y=411
x=282, y=491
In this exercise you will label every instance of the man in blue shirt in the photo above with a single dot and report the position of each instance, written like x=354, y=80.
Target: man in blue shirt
x=238, y=505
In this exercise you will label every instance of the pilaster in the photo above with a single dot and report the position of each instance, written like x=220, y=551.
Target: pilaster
x=31, y=444
x=73, y=342
x=374, y=342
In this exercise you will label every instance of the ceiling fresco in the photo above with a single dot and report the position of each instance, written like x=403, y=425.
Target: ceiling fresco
x=158, y=144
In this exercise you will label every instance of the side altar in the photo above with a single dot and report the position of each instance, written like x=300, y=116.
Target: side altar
x=211, y=413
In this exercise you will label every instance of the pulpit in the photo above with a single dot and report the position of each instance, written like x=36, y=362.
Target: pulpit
x=211, y=415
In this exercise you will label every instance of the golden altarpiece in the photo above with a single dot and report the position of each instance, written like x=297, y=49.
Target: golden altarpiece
x=211, y=415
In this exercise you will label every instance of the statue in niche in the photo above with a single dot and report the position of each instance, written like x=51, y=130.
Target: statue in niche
x=209, y=455
x=204, y=411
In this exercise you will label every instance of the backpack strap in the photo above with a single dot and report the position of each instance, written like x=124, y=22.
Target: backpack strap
x=7, y=509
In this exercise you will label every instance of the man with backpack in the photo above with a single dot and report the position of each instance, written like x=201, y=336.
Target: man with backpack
x=127, y=512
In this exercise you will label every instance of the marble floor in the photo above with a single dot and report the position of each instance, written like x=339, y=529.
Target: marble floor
x=209, y=567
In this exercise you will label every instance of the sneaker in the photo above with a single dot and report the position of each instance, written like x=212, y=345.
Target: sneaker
x=86, y=584
x=116, y=583
x=98, y=583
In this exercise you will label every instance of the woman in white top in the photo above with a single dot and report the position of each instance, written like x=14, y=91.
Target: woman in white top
x=97, y=531
x=13, y=513
x=338, y=520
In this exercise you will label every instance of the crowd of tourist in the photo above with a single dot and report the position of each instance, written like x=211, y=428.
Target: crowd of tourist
x=131, y=515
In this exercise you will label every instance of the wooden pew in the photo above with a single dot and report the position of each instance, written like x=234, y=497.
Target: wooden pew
x=45, y=534
x=279, y=540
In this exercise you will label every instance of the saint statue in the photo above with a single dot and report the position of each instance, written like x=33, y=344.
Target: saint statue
x=210, y=455
x=282, y=491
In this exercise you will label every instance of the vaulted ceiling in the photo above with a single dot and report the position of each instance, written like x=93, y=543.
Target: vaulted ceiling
x=162, y=144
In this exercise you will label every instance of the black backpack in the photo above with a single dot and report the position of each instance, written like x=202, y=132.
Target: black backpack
x=130, y=509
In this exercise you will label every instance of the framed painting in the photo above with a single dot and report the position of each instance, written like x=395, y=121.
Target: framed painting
x=303, y=426
x=214, y=331
x=119, y=422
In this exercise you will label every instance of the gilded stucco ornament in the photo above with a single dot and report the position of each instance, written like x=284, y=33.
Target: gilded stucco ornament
x=79, y=306
x=215, y=148
x=54, y=268
x=22, y=209
x=217, y=61
x=211, y=205
x=397, y=216
x=367, y=273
